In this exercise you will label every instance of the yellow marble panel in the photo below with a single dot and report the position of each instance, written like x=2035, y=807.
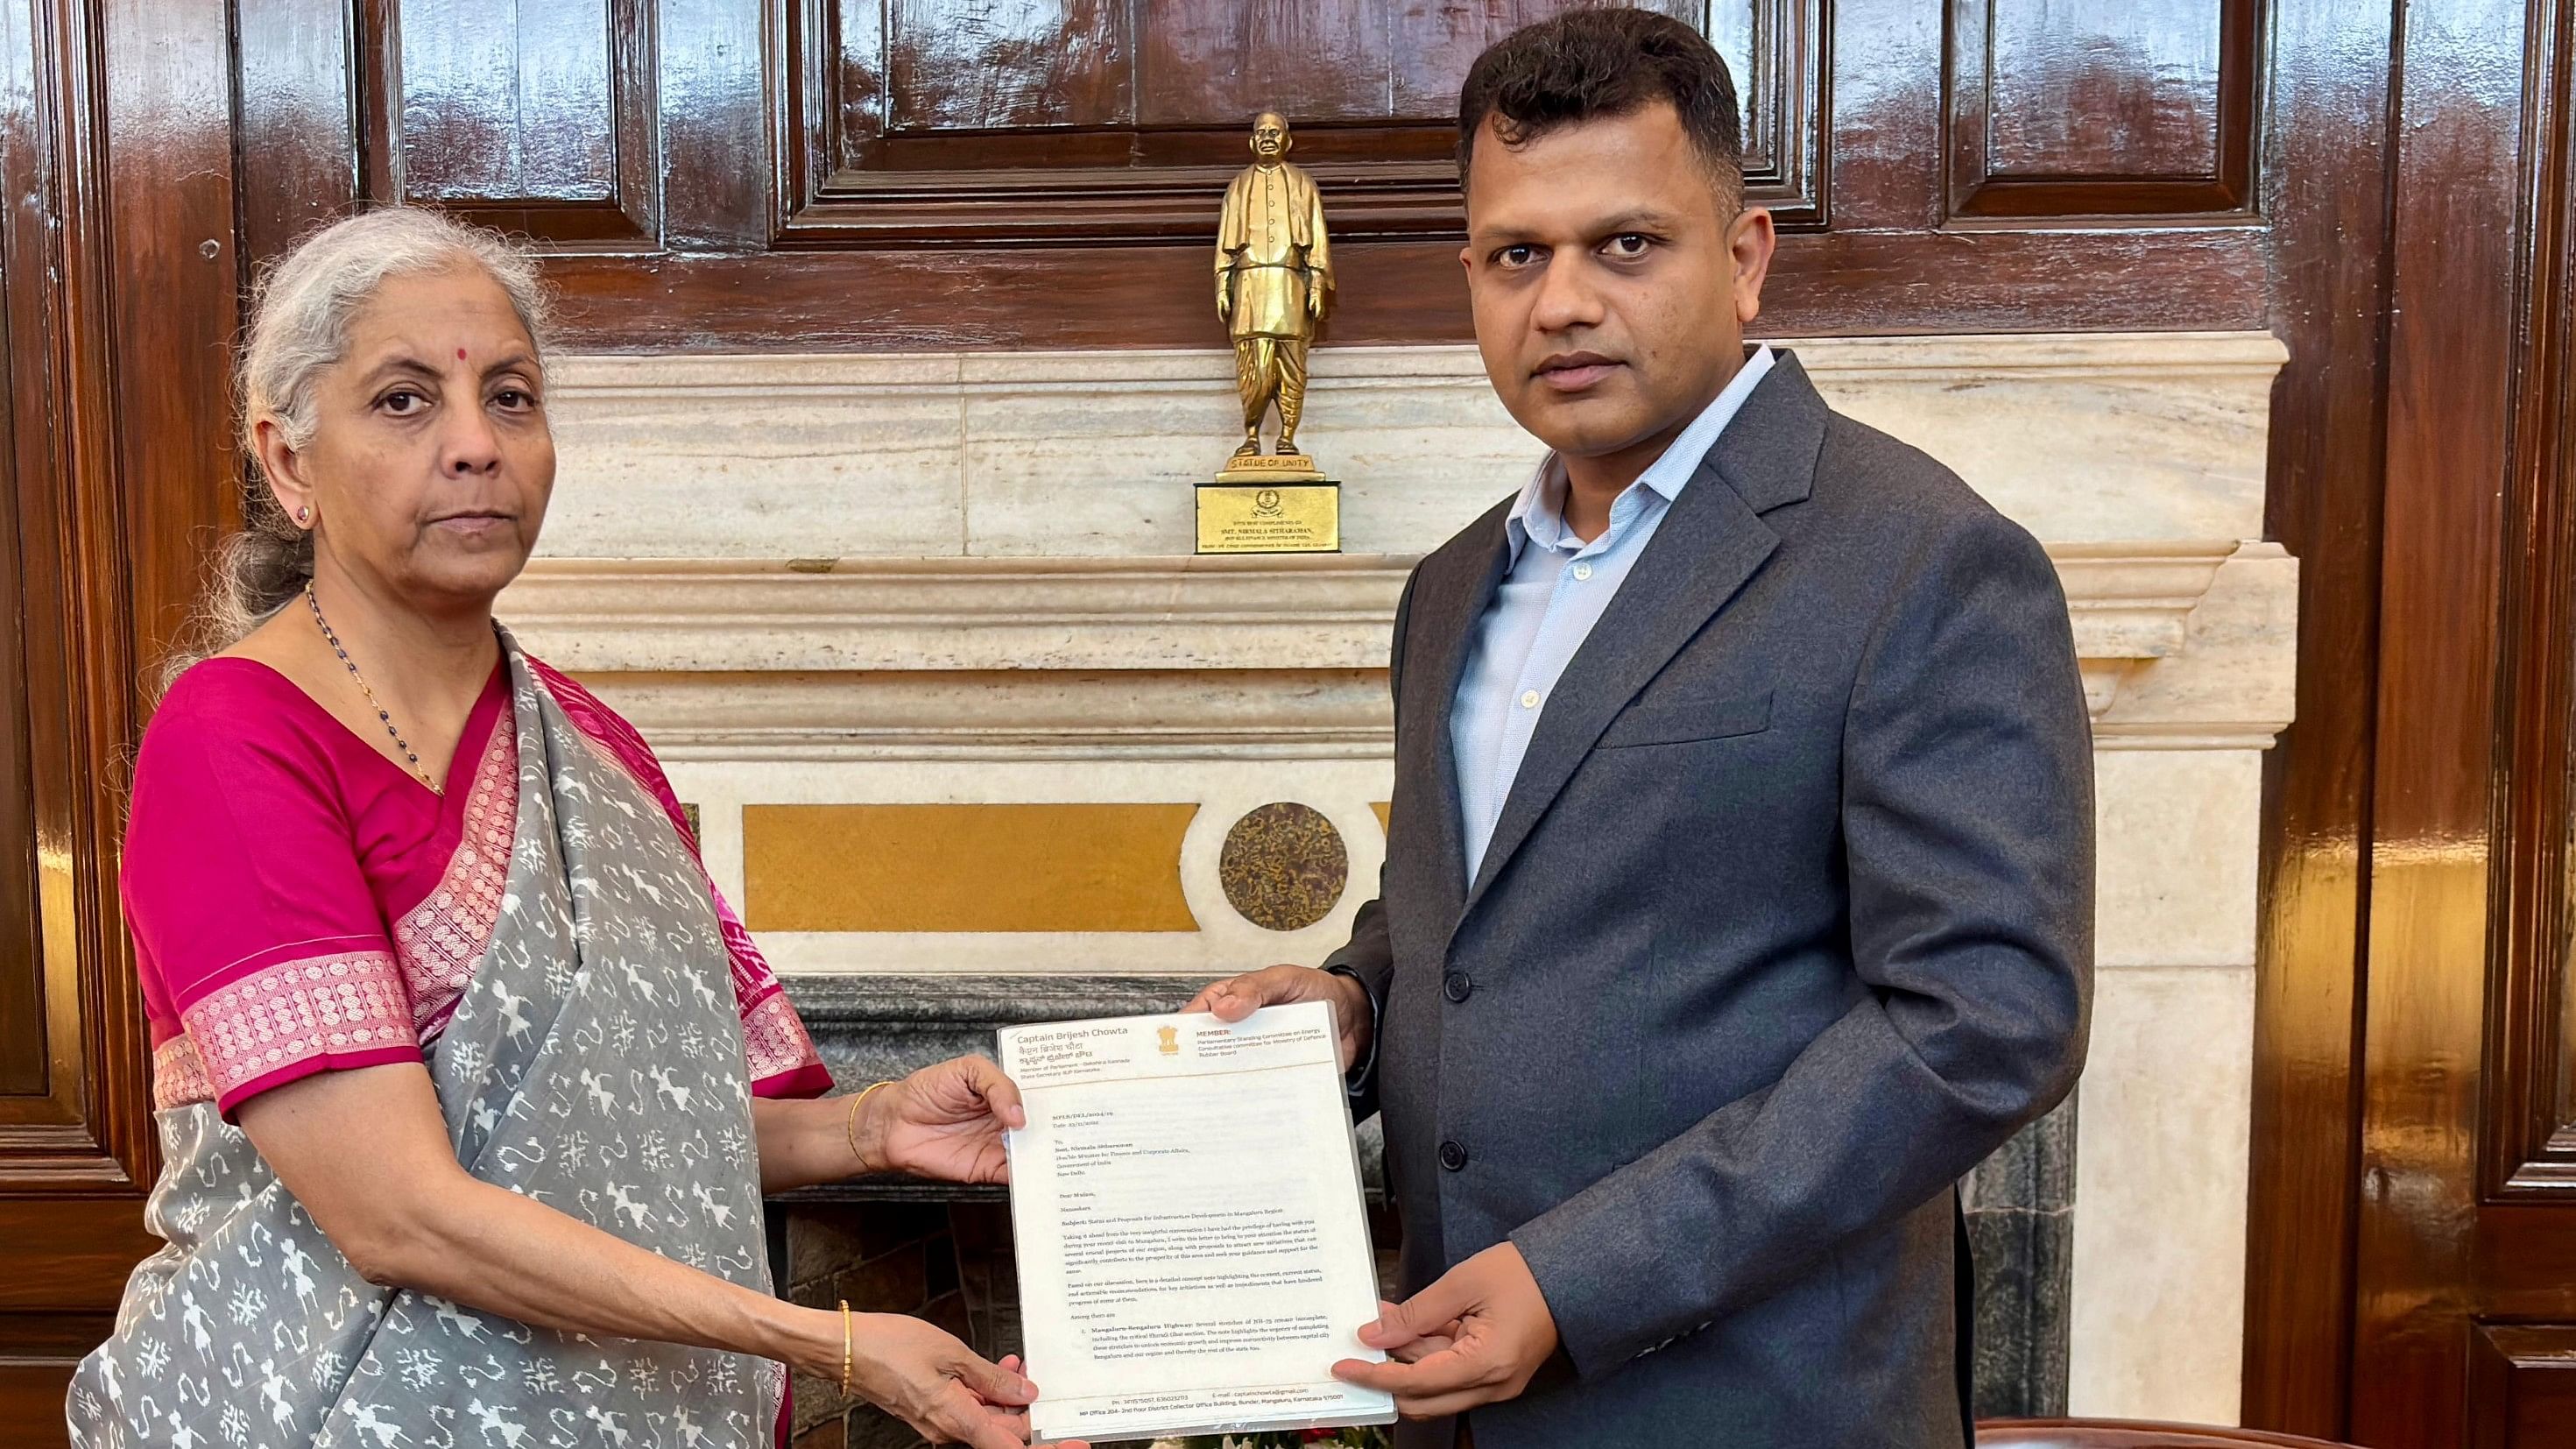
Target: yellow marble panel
x=1063, y=867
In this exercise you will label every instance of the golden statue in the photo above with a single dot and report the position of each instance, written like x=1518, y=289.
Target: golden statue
x=1274, y=282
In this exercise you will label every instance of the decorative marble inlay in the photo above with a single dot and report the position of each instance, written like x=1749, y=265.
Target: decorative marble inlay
x=1283, y=866
x=966, y=867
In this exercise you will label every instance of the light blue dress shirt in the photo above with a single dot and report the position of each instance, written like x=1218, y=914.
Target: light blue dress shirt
x=1552, y=593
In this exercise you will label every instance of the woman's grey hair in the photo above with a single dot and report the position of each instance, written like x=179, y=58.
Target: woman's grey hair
x=299, y=329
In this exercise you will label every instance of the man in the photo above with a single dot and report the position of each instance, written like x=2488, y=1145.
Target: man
x=1738, y=895
x=1274, y=279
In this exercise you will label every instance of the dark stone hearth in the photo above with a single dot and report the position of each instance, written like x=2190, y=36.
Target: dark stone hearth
x=898, y=1246
x=873, y=1027
x=2021, y=1228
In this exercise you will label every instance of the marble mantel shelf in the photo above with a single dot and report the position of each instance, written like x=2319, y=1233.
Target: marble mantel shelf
x=2127, y=601
x=2133, y=607
x=1939, y=360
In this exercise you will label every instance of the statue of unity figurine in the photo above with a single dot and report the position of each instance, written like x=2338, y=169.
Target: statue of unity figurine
x=1274, y=281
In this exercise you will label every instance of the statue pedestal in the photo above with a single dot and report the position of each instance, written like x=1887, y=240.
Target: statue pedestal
x=1270, y=503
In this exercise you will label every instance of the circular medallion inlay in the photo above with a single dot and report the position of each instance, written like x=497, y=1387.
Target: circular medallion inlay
x=1283, y=866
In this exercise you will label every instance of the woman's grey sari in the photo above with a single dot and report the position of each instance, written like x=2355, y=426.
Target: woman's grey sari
x=596, y=1064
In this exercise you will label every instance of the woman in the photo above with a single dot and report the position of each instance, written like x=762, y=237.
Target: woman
x=468, y=1084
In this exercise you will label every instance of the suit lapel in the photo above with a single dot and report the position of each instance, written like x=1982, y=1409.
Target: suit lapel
x=1448, y=600
x=1711, y=542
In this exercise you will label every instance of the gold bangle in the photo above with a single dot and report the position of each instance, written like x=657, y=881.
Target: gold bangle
x=850, y=1121
x=845, y=1348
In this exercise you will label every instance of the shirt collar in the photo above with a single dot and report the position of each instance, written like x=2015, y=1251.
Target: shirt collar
x=1539, y=513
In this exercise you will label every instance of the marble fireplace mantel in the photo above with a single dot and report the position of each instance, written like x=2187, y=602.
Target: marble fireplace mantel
x=711, y=633
x=879, y=609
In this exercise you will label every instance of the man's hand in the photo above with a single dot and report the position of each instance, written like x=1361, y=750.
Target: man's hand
x=1475, y=1337
x=1237, y=997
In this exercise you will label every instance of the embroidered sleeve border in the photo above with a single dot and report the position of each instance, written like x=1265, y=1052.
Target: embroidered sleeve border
x=782, y=1057
x=294, y=1018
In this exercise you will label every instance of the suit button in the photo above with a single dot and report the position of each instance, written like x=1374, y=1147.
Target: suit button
x=1457, y=987
x=1452, y=1156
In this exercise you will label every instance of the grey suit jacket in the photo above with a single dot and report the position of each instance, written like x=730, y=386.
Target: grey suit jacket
x=1786, y=924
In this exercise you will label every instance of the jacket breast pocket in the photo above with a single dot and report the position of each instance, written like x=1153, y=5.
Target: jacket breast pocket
x=1681, y=721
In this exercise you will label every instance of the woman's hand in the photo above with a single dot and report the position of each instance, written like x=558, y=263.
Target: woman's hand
x=925, y=1377
x=942, y=1122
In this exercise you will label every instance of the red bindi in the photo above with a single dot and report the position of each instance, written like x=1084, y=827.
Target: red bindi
x=460, y=354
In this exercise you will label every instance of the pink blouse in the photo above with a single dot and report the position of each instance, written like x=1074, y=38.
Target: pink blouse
x=300, y=903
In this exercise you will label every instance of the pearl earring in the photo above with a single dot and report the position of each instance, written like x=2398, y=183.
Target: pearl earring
x=303, y=514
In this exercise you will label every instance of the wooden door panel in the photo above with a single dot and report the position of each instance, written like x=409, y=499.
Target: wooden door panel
x=24, y=1059
x=1441, y=38
x=537, y=116
x=2327, y=142
x=297, y=119
x=1325, y=61
x=31, y=1398
x=23, y=1056
x=946, y=122
x=2465, y=1274
x=2529, y=1126
x=2528, y=1129
x=90, y=1245
x=2523, y=1386
x=36, y=1361
x=37, y=1355
x=51, y=1135
x=969, y=67
x=2139, y=108
x=2104, y=89
x=512, y=100
x=65, y=1126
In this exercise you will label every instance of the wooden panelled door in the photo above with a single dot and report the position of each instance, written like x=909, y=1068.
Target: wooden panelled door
x=2465, y=1265
x=892, y=174
x=116, y=304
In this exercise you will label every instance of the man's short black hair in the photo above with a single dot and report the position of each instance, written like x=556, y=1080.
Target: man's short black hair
x=1586, y=64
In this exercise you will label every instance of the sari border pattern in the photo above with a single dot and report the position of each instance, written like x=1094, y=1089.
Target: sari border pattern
x=781, y=1055
x=439, y=941
x=295, y=1014
x=179, y=1074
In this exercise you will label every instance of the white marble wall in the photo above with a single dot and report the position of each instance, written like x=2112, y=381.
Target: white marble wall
x=2091, y=439
x=960, y=577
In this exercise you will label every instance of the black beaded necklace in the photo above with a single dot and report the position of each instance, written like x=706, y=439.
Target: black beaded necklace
x=388, y=720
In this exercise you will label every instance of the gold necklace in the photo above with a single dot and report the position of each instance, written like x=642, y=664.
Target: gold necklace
x=388, y=720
